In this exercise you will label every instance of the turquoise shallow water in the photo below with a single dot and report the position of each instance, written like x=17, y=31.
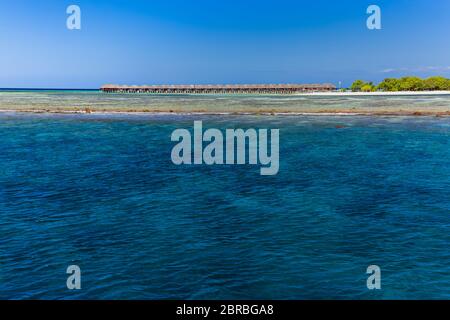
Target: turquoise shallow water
x=100, y=191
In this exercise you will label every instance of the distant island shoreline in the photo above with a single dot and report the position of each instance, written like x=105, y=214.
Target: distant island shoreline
x=306, y=94
x=364, y=99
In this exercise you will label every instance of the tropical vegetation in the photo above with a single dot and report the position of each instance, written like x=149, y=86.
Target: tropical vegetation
x=403, y=84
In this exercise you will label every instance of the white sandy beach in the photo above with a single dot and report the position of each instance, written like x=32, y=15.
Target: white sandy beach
x=377, y=93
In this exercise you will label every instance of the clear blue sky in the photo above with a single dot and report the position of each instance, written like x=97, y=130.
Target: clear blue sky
x=217, y=41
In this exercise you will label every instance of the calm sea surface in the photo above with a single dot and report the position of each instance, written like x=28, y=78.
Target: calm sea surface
x=101, y=192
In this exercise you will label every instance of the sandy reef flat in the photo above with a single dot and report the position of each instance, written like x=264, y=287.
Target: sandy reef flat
x=435, y=103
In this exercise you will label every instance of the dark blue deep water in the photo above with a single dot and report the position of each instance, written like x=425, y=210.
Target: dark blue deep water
x=101, y=192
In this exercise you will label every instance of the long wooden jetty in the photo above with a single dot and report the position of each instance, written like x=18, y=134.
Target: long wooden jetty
x=221, y=89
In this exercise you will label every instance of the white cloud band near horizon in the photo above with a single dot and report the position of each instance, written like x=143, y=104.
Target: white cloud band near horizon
x=444, y=69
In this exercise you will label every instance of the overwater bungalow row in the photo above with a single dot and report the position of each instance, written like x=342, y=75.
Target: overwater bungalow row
x=221, y=89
